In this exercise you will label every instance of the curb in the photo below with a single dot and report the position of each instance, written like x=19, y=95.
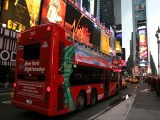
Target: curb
x=111, y=112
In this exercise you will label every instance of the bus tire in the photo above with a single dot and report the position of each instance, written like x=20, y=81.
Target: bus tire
x=93, y=99
x=81, y=101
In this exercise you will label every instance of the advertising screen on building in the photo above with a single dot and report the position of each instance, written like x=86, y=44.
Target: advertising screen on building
x=143, y=52
x=119, y=35
x=142, y=37
x=53, y=11
x=81, y=26
x=105, y=44
x=142, y=63
x=118, y=46
x=20, y=14
x=143, y=49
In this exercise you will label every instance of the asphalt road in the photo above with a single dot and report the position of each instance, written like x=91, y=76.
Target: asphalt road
x=9, y=112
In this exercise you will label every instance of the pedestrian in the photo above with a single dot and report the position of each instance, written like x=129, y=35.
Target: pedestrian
x=2, y=80
x=7, y=81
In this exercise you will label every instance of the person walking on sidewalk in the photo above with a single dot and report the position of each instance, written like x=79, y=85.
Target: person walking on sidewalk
x=4, y=80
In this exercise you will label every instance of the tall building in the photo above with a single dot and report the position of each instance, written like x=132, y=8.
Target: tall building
x=110, y=15
x=140, y=42
x=110, y=12
x=107, y=12
x=117, y=12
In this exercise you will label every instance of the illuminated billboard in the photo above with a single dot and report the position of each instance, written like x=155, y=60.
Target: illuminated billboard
x=53, y=11
x=75, y=22
x=81, y=26
x=143, y=63
x=118, y=46
x=143, y=52
x=119, y=35
x=105, y=48
x=142, y=37
x=20, y=14
x=143, y=49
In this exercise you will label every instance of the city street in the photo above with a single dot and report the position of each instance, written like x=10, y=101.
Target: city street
x=11, y=112
x=79, y=60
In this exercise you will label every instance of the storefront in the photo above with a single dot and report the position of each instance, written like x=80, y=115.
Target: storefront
x=15, y=16
x=8, y=39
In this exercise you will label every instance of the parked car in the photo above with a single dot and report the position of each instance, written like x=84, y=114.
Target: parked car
x=128, y=79
x=134, y=80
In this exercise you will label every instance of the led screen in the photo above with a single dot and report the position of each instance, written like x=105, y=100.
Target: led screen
x=105, y=44
x=82, y=26
x=142, y=37
x=119, y=35
x=53, y=11
x=143, y=52
x=20, y=14
x=118, y=46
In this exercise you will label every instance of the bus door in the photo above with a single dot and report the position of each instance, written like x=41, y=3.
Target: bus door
x=107, y=82
x=113, y=83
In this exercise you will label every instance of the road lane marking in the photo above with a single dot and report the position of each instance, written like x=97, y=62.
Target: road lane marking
x=5, y=93
x=7, y=102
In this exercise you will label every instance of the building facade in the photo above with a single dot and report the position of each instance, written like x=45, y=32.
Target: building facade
x=140, y=40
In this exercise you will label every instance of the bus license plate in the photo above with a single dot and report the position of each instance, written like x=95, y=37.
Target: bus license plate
x=29, y=101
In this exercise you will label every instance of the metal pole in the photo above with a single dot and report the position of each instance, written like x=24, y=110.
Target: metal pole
x=158, y=43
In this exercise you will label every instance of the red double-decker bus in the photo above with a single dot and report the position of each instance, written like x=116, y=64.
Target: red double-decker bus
x=55, y=75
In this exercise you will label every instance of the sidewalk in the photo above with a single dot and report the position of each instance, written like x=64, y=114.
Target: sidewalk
x=143, y=105
x=8, y=89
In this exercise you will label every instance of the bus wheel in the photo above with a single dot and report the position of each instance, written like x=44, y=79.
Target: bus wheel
x=93, y=97
x=81, y=101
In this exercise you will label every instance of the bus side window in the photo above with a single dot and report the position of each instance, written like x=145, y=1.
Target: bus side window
x=114, y=76
x=80, y=75
x=96, y=75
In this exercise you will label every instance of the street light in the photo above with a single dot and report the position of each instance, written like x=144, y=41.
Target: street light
x=158, y=43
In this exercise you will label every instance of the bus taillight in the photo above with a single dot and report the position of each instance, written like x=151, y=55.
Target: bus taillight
x=47, y=94
x=48, y=89
x=19, y=35
x=49, y=28
x=14, y=85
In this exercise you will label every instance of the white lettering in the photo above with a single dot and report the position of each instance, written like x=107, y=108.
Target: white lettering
x=27, y=63
x=33, y=63
x=13, y=56
x=34, y=69
x=5, y=55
